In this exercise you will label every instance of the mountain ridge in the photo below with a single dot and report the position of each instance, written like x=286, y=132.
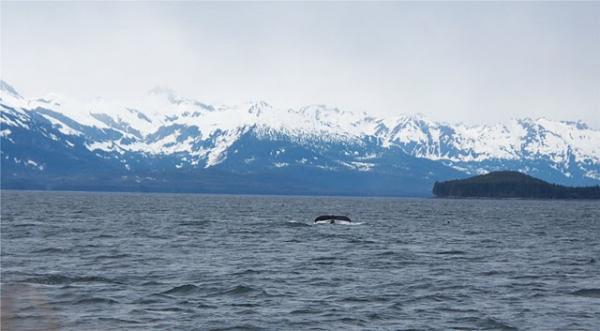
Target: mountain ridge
x=183, y=134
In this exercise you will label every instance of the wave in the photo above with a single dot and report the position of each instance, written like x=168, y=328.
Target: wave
x=27, y=225
x=494, y=272
x=296, y=224
x=362, y=241
x=118, y=321
x=116, y=256
x=196, y=223
x=238, y=290
x=305, y=311
x=588, y=292
x=94, y=300
x=57, y=279
x=247, y=272
x=243, y=290
x=239, y=327
x=50, y=250
x=182, y=289
x=451, y=252
x=485, y=323
x=356, y=299
x=490, y=323
x=104, y=236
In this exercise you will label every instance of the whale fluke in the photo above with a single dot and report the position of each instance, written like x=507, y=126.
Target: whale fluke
x=332, y=218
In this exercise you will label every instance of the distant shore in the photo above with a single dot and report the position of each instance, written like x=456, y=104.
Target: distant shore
x=512, y=185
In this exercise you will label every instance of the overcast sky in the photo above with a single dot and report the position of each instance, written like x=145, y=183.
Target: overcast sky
x=469, y=62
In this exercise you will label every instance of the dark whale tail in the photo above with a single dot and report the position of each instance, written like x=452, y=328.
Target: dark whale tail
x=332, y=218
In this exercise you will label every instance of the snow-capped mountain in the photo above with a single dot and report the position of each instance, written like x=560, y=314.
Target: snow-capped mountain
x=168, y=142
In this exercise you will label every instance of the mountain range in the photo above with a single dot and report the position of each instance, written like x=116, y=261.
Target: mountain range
x=168, y=143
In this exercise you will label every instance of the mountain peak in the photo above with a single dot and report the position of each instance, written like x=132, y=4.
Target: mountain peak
x=166, y=92
x=53, y=98
x=257, y=107
x=7, y=88
x=578, y=124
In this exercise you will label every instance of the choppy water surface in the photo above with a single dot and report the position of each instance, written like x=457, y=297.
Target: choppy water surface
x=101, y=261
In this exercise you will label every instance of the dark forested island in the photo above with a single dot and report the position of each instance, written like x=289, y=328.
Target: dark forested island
x=511, y=184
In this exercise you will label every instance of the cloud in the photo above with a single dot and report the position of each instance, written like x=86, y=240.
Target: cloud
x=470, y=62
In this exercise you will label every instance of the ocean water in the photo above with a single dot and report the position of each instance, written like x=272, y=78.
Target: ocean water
x=114, y=261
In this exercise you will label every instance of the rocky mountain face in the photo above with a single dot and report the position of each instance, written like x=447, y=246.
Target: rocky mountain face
x=169, y=143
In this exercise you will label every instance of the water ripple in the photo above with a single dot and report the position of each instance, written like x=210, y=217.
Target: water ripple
x=88, y=261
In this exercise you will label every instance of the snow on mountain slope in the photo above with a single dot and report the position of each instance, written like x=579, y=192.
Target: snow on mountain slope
x=517, y=139
x=201, y=134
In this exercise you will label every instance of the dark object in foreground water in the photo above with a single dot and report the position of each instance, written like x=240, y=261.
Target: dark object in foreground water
x=332, y=218
x=511, y=184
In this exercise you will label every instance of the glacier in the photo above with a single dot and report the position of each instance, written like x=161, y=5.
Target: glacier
x=165, y=142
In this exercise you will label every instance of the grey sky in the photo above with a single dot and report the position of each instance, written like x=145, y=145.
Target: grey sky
x=470, y=62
